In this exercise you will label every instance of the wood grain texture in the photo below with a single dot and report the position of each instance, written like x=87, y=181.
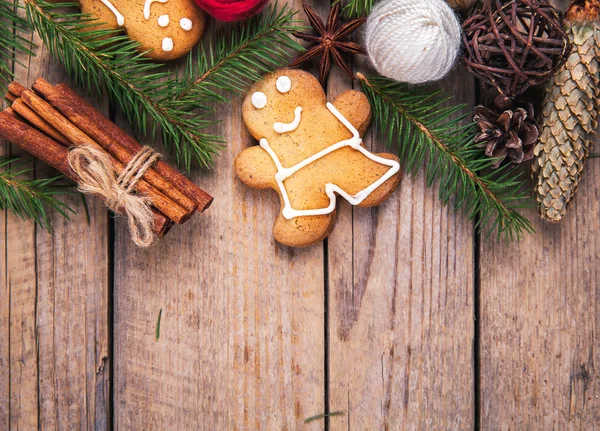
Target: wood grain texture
x=540, y=313
x=21, y=297
x=242, y=332
x=401, y=307
x=72, y=308
x=57, y=289
x=4, y=316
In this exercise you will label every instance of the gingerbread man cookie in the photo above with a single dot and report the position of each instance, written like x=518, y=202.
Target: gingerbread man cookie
x=310, y=152
x=168, y=28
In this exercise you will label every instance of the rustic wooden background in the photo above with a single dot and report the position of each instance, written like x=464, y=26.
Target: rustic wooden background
x=403, y=319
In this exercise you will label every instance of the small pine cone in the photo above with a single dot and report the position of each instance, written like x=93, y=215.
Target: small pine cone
x=569, y=113
x=508, y=136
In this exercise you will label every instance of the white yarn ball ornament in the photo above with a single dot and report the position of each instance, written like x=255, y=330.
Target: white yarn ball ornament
x=413, y=41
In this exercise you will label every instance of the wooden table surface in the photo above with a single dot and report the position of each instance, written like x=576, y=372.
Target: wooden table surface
x=403, y=319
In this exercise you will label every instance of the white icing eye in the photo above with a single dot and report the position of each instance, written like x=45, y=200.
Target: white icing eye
x=259, y=100
x=283, y=84
x=167, y=44
x=186, y=24
x=163, y=20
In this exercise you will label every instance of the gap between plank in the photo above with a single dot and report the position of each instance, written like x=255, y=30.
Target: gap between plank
x=326, y=331
x=111, y=228
x=477, y=310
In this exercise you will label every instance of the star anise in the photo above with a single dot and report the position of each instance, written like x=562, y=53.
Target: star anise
x=328, y=41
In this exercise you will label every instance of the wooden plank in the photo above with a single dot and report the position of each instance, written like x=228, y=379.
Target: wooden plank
x=4, y=318
x=242, y=333
x=539, y=320
x=72, y=310
x=57, y=286
x=401, y=306
x=21, y=296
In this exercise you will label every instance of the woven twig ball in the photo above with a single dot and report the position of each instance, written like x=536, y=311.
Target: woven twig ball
x=514, y=44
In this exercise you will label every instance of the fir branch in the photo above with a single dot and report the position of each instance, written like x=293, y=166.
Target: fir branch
x=426, y=132
x=11, y=40
x=97, y=58
x=232, y=64
x=358, y=8
x=29, y=199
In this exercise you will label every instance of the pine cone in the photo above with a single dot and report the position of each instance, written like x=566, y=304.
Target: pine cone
x=512, y=133
x=569, y=113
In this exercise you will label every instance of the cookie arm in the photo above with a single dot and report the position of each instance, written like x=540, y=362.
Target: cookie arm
x=255, y=168
x=355, y=106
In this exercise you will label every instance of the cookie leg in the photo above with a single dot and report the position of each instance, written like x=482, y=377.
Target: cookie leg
x=303, y=231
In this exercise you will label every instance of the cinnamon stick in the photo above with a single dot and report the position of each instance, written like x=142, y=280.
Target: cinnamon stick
x=16, y=88
x=35, y=143
x=38, y=122
x=109, y=135
x=121, y=154
x=164, y=204
x=54, y=154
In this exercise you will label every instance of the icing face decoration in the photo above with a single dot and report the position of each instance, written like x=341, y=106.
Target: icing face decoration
x=311, y=153
x=118, y=16
x=259, y=100
x=163, y=20
x=283, y=84
x=186, y=24
x=289, y=127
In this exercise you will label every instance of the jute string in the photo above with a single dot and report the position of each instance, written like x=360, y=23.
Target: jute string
x=98, y=176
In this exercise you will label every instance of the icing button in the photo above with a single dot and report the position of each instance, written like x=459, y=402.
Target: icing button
x=167, y=44
x=186, y=24
x=163, y=20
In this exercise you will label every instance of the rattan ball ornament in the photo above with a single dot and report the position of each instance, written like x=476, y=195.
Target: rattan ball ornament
x=412, y=41
x=513, y=45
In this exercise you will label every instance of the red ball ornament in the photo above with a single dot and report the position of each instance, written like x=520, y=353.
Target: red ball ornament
x=231, y=10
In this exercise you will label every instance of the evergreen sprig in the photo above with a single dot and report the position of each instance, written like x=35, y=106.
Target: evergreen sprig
x=358, y=8
x=29, y=199
x=11, y=40
x=429, y=133
x=177, y=105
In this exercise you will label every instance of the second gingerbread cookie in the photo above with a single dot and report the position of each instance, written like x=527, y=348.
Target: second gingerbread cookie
x=168, y=28
x=310, y=152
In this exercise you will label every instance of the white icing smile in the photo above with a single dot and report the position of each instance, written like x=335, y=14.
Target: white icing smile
x=331, y=189
x=289, y=127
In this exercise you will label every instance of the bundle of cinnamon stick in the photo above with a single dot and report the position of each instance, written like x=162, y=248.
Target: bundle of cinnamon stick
x=48, y=120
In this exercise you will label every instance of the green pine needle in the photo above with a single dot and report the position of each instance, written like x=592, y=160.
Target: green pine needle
x=323, y=416
x=157, y=330
x=11, y=40
x=30, y=199
x=358, y=8
x=153, y=99
x=429, y=134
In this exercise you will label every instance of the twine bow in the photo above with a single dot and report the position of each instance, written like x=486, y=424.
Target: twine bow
x=97, y=176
